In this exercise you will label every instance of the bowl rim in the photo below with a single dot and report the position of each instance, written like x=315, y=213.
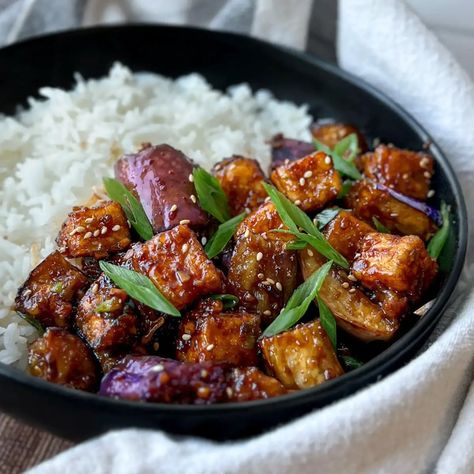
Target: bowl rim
x=360, y=377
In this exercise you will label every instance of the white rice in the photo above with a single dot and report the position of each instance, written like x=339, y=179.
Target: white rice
x=52, y=154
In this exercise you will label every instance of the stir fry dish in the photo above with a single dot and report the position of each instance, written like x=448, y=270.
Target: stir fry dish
x=176, y=285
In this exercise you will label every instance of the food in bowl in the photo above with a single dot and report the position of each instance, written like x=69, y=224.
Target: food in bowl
x=176, y=285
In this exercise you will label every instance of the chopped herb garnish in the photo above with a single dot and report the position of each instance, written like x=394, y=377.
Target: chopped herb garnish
x=437, y=242
x=296, y=245
x=346, y=187
x=210, y=194
x=348, y=147
x=222, y=236
x=131, y=206
x=351, y=363
x=106, y=306
x=32, y=322
x=57, y=287
x=228, y=301
x=326, y=216
x=299, y=302
x=295, y=219
x=138, y=287
x=379, y=226
x=327, y=321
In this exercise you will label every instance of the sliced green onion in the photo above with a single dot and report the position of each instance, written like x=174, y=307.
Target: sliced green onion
x=327, y=321
x=351, y=363
x=32, y=322
x=228, y=301
x=326, y=216
x=437, y=242
x=379, y=226
x=224, y=233
x=340, y=164
x=348, y=147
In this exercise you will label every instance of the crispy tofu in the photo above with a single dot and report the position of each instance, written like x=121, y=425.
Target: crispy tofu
x=301, y=357
x=351, y=307
x=94, y=231
x=262, y=273
x=104, y=317
x=51, y=291
x=332, y=133
x=408, y=172
x=61, y=357
x=241, y=179
x=177, y=264
x=224, y=337
x=367, y=202
x=399, y=263
x=310, y=182
x=345, y=232
x=249, y=383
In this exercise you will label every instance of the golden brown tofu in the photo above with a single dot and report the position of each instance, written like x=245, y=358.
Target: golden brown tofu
x=301, y=357
x=331, y=133
x=367, y=202
x=224, y=337
x=390, y=261
x=50, y=291
x=177, y=264
x=345, y=232
x=352, y=309
x=310, y=182
x=249, y=383
x=262, y=273
x=62, y=358
x=408, y=172
x=241, y=179
x=94, y=231
x=104, y=317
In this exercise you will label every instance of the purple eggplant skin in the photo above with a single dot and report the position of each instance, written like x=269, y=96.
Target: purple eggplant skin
x=288, y=149
x=159, y=380
x=159, y=177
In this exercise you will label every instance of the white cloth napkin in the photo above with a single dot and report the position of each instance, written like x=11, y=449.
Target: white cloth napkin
x=418, y=419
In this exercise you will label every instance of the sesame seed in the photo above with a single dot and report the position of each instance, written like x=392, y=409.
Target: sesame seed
x=157, y=368
x=191, y=178
x=297, y=202
x=345, y=285
x=185, y=248
x=302, y=181
x=193, y=198
x=393, y=214
x=431, y=193
x=351, y=277
x=204, y=241
x=247, y=210
x=27, y=292
x=88, y=235
x=246, y=233
x=427, y=174
x=184, y=221
x=95, y=288
x=279, y=286
x=80, y=229
x=156, y=346
x=259, y=256
x=287, y=162
x=229, y=392
x=89, y=220
x=116, y=228
x=260, y=276
x=96, y=233
x=210, y=347
x=271, y=281
x=186, y=337
x=173, y=208
x=204, y=373
x=327, y=160
x=405, y=175
x=352, y=290
x=308, y=174
x=103, y=230
x=267, y=312
x=310, y=252
x=424, y=162
x=267, y=199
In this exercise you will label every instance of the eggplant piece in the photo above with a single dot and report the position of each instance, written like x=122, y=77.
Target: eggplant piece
x=94, y=231
x=310, y=182
x=331, y=133
x=160, y=380
x=285, y=150
x=405, y=171
x=159, y=176
x=301, y=357
x=241, y=180
x=49, y=293
x=351, y=307
x=61, y=357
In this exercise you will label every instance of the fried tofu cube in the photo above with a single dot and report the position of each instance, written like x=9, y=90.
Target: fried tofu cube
x=50, y=291
x=61, y=357
x=225, y=337
x=104, y=318
x=94, y=231
x=301, y=357
x=354, y=312
x=398, y=263
x=177, y=264
x=366, y=202
x=241, y=179
x=310, y=182
x=262, y=272
x=331, y=133
x=345, y=232
x=249, y=383
x=408, y=172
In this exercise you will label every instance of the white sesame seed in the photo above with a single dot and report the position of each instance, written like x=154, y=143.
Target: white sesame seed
x=260, y=276
x=173, y=208
x=310, y=252
x=96, y=233
x=89, y=220
x=193, y=198
x=287, y=162
x=345, y=285
x=116, y=228
x=424, y=162
x=279, y=286
x=302, y=181
x=427, y=174
x=210, y=347
x=393, y=214
x=186, y=337
x=184, y=221
x=73, y=232
x=191, y=178
x=204, y=241
x=431, y=193
x=271, y=281
x=247, y=210
x=95, y=288
x=405, y=175
x=157, y=368
x=80, y=229
x=327, y=160
x=352, y=290
x=88, y=235
x=103, y=230
x=308, y=174
x=185, y=248
x=204, y=373
x=267, y=312
x=229, y=392
x=259, y=256
x=246, y=233
x=297, y=202
x=351, y=277
x=27, y=292
x=156, y=346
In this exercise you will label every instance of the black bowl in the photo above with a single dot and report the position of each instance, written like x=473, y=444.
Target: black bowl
x=224, y=59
